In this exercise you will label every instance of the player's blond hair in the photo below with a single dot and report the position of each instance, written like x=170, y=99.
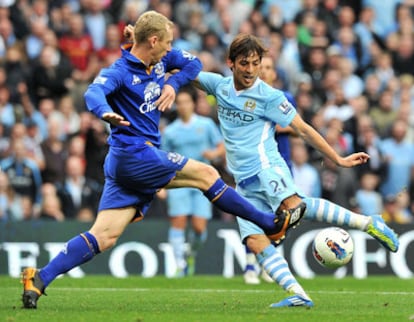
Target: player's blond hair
x=149, y=24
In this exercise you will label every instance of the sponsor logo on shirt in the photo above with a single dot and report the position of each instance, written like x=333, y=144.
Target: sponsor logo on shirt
x=151, y=92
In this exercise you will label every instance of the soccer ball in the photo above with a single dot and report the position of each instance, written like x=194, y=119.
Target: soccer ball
x=333, y=247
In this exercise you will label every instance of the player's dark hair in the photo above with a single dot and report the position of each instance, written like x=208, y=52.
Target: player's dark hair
x=190, y=90
x=245, y=45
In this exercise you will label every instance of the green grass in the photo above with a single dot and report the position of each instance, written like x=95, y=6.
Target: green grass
x=209, y=298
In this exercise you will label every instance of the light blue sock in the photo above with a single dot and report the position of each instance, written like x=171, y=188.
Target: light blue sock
x=176, y=238
x=322, y=210
x=278, y=269
x=77, y=251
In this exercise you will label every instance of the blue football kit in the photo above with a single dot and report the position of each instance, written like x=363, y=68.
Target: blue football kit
x=130, y=89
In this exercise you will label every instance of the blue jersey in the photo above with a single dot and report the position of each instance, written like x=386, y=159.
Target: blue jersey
x=135, y=168
x=128, y=89
x=248, y=119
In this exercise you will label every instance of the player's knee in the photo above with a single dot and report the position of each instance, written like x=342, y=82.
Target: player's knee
x=208, y=175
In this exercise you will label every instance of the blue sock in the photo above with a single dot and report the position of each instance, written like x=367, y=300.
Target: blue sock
x=322, y=210
x=77, y=251
x=228, y=200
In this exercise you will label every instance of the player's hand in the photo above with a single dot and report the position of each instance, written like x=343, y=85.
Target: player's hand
x=129, y=33
x=354, y=160
x=115, y=119
x=166, y=99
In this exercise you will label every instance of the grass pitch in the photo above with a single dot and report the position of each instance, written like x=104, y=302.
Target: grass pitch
x=209, y=298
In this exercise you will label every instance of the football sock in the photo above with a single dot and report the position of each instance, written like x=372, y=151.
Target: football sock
x=176, y=238
x=325, y=211
x=250, y=260
x=278, y=269
x=77, y=251
x=228, y=200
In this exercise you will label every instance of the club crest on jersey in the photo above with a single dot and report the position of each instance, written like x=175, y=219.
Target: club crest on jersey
x=159, y=70
x=250, y=105
x=135, y=80
x=285, y=107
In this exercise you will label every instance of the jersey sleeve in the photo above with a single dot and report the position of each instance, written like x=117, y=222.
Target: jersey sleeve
x=188, y=65
x=107, y=81
x=280, y=110
x=209, y=82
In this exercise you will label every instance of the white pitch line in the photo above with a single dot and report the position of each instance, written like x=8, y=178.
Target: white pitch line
x=201, y=290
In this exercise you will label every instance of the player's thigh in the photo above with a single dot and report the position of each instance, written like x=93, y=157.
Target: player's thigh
x=195, y=174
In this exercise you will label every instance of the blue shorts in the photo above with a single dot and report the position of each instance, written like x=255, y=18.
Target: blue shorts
x=188, y=201
x=266, y=190
x=133, y=174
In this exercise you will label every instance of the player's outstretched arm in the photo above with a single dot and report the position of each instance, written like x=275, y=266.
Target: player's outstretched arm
x=312, y=137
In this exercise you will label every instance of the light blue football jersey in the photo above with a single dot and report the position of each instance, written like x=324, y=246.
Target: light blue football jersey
x=193, y=138
x=247, y=121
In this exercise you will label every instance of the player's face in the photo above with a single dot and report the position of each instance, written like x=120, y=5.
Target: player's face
x=245, y=70
x=162, y=46
x=185, y=105
x=267, y=72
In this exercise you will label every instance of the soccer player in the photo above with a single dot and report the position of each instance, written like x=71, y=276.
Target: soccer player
x=199, y=138
x=248, y=110
x=130, y=95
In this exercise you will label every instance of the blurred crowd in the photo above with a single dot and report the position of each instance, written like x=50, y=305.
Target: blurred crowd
x=349, y=65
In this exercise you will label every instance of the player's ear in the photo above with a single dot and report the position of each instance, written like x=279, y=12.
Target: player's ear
x=230, y=63
x=152, y=40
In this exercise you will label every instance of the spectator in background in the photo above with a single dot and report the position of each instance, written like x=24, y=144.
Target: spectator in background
x=305, y=175
x=368, y=140
x=55, y=153
x=399, y=156
x=367, y=196
x=51, y=75
x=51, y=208
x=23, y=173
x=96, y=21
x=385, y=114
x=10, y=202
x=78, y=46
x=76, y=191
x=7, y=111
x=70, y=118
x=112, y=48
x=393, y=211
